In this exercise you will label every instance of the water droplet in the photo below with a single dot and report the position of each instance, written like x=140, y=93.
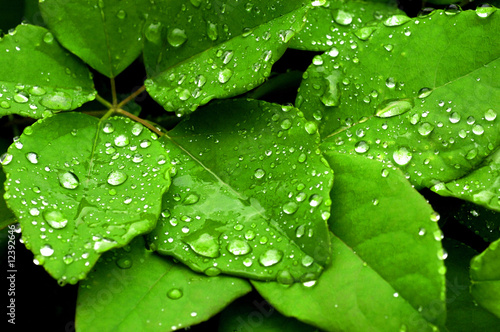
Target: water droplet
x=124, y=262
x=46, y=250
x=485, y=10
x=21, y=97
x=331, y=95
x=121, y=141
x=402, y=156
x=174, y=294
x=435, y=217
x=271, y=257
x=68, y=259
x=212, y=32
x=290, y=207
x=212, y=271
x=153, y=32
x=191, y=199
x=425, y=128
x=311, y=127
x=478, y=129
x=238, y=247
x=490, y=115
x=259, y=173
x=137, y=158
x=32, y=157
x=145, y=143
x=205, y=245
x=286, y=124
x=389, y=47
x=300, y=231
x=68, y=180
x=342, y=17
x=4, y=104
x=315, y=200
x=471, y=154
x=121, y=14
x=116, y=178
x=176, y=37
x=361, y=147
x=396, y=20
x=137, y=129
x=365, y=32
x=307, y=261
x=37, y=91
x=454, y=117
x=421, y=231
x=55, y=219
x=225, y=75
x=424, y=93
x=284, y=277
x=5, y=159
x=48, y=38
x=57, y=101
x=391, y=107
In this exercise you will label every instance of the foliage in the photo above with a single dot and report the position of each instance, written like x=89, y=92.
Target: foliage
x=323, y=160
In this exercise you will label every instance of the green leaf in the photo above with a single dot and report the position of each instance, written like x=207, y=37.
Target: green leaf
x=243, y=315
x=419, y=117
x=132, y=289
x=463, y=314
x=220, y=50
x=485, y=275
x=80, y=186
x=481, y=186
x=387, y=257
x=6, y=216
x=250, y=193
x=37, y=76
x=106, y=34
x=329, y=21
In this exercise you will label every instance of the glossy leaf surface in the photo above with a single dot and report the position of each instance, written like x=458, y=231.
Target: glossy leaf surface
x=106, y=34
x=330, y=20
x=485, y=276
x=387, y=257
x=37, y=76
x=132, y=288
x=80, y=187
x=371, y=102
x=222, y=50
x=250, y=194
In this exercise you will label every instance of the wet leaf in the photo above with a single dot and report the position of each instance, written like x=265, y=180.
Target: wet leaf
x=133, y=289
x=481, y=186
x=38, y=77
x=249, y=196
x=330, y=20
x=370, y=101
x=211, y=55
x=387, y=257
x=463, y=314
x=106, y=34
x=80, y=186
x=485, y=276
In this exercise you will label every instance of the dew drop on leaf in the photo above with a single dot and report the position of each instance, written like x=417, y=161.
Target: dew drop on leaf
x=396, y=20
x=55, y=219
x=174, y=294
x=21, y=97
x=284, y=277
x=57, y=101
x=116, y=178
x=425, y=128
x=270, y=257
x=5, y=159
x=212, y=271
x=124, y=262
x=259, y=173
x=32, y=157
x=402, y=156
x=68, y=180
x=205, y=245
x=176, y=37
x=342, y=17
x=137, y=129
x=315, y=200
x=238, y=247
x=490, y=115
x=424, y=93
x=390, y=108
x=361, y=147
x=290, y=207
x=46, y=250
x=121, y=141
x=225, y=75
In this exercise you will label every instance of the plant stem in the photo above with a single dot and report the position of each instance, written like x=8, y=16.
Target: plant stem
x=141, y=121
x=113, y=91
x=103, y=101
x=132, y=96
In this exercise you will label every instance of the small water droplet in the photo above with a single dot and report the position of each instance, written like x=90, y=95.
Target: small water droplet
x=174, y=293
x=191, y=199
x=121, y=141
x=300, y=231
x=365, y=32
x=478, y=129
x=212, y=271
x=116, y=178
x=68, y=259
x=48, y=38
x=270, y=257
x=21, y=97
x=137, y=129
x=5, y=159
x=225, y=75
x=284, y=277
x=454, y=117
x=490, y=115
x=121, y=14
x=342, y=17
x=425, y=128
x=124, y=262
x=46, y=250
x=238, y=247
x=311, y=127
x=396, y=20
x=424, y=93
x=4, y=104
x=315, y=200
x=37, y=91
x=402, y=156
x=32, y=157
x=361, y=147
x=307, y=261
x=153, y=32
x=55, y=219
x=290, y=207
x=145, y=143
x=68, y=180
x=259, y=173
x=176, y=37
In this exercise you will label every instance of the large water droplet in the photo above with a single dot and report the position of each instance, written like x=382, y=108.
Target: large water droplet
x=153, y=32
x=424, y=93
x=37, y=91
x=225, y=75
x=342, y=17
x=212, y=32
x=55, y=219
x=490, y=115
x=212, y=271
x=361, y=147
x=259, y=173
x=311, y=127
x=425, y=128
x=290, y=207
x=238, y=247
x=46, y=250
x=396, y=20
x=68, y=180
x=402, y=156
x=485, y=10
x=57, y=101
x=315, y=200
x=5, y=159
x=121, y=141
x=32, y=157
x=176, y=37
x=48, y=38
x=284, y=277
x=271, y=257
x=21, y=97
x=331, y=95
x=116, y=178
x=174, y=293
x=391, y=107
x=205, y=245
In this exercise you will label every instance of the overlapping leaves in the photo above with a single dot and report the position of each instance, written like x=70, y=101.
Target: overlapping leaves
x=250, y=195
x=80, y=186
